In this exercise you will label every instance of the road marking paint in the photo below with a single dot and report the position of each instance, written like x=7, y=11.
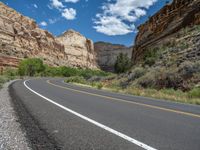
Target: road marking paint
x=130, y=139
x=131, y=102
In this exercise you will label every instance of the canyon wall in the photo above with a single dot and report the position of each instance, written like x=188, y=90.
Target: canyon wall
x=20, y=38
x=80, y=50
x=107, y=54
x=165, y=24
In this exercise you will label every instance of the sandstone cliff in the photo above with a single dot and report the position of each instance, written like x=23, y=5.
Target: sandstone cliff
x=107, y=54
x=164, y=24
x=80, y=50
x=20, y=37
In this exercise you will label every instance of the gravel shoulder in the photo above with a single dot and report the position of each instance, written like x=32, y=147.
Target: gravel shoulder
x=11, y=134
x=18, y=129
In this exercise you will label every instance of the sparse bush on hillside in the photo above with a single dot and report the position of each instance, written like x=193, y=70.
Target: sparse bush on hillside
x=188, y=69
x=171, y=43
x=168, y=79
x=76, y=79
x=183, y=45
x=136, y=73
x=147, y=81
x=161, y=79
x=151, y=56
x=123, y=63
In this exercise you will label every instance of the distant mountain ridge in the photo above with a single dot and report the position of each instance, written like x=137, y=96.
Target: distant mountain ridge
x=107, y=54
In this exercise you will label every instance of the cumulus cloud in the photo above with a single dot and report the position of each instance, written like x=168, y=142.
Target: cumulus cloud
x=56, y=4
x=72, y=1
x=118, y=17
x=43, y=23
x=69, y=13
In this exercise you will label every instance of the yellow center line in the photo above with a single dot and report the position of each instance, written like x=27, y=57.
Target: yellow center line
x=130, y=102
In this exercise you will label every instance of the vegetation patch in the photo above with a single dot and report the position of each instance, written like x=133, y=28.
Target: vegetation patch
x=123, y=63
x=35, y=67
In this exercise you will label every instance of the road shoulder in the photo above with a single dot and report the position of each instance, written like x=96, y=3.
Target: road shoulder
x=11, y=134
x=19, y=130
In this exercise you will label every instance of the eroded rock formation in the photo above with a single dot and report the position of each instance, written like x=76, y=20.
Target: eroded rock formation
x=20, y=37
x=80, y=50
x=166, y=22
x=107, y=54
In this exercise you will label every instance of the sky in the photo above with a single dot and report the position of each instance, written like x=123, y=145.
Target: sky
x=113, y=21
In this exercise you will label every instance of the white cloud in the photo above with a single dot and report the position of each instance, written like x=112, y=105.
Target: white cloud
x=118, y=18
x=52, y=21
x=110, y=25
x=35, y=5
x=56, y=4
x=69, y=13
x=43, y=23
x=72, y=1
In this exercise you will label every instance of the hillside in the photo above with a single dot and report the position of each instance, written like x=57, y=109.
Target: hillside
x=165, y=24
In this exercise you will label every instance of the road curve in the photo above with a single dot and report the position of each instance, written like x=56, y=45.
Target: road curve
x=83, y=118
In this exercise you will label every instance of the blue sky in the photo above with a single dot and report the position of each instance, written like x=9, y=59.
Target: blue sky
x=113, y=21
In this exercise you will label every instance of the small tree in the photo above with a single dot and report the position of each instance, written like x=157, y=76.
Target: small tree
x=31, y=67
x=123, y=63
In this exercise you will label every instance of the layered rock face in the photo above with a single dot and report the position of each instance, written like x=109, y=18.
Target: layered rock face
x=164, y=24
x=107, y=54
x=20, y=37
x=80, y=50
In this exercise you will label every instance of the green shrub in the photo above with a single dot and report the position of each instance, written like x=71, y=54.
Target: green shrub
x=31, y=67
x=99, y=85
x=11, y=72
x=123, y=63
x=3, y=79
x=194, y=93
x=76, y=79
x=150, y=56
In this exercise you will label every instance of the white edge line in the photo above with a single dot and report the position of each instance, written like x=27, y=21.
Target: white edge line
x=138, y=143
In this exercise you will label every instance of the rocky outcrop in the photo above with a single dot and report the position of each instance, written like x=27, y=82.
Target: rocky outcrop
x=79, y=50
x=107, y=54
x=20, y=37
x=165, y=24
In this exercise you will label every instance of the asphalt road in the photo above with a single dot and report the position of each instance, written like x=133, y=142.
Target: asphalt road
x=79, y=118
